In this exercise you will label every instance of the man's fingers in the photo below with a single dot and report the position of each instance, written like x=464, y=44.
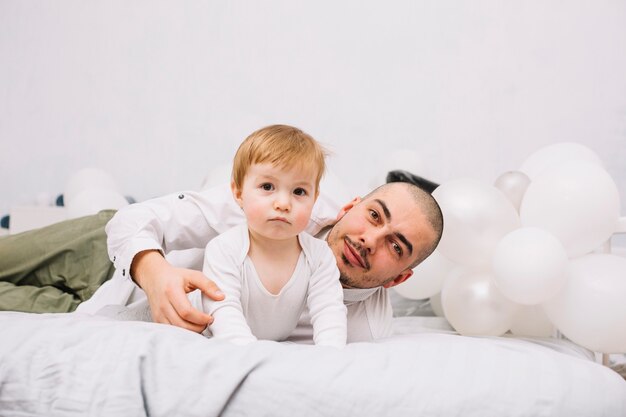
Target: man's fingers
x=159, y=317
x=167, y=314
x=194, y=327
x=183, y=311
x=208, y=287
x=173, y=307
x=173, y=318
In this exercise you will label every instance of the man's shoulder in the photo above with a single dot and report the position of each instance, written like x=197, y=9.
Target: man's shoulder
x=218, y=206
x=314, y=248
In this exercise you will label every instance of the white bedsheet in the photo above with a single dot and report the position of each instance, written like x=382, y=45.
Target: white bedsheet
x=77, y=365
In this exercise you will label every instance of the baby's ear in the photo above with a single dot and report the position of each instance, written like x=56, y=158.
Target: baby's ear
x=236, y=193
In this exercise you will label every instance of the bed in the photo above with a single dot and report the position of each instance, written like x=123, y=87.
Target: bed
x=78, y=365
x=82, y=365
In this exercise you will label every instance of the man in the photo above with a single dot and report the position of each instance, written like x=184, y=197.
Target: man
x=376, y=241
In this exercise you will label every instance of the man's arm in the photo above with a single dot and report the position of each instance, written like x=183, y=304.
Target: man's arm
x=173, y=222
x=166, y=288
x=139, y=235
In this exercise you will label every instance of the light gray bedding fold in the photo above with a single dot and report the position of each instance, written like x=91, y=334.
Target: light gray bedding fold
x=77, y=365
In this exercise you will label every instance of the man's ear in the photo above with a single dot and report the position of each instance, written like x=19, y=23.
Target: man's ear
x=236, y=193
x=347, y=207
x=404, y=275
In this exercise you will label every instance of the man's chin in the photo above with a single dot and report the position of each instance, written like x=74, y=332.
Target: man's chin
x=348, y=283
x=351, y=283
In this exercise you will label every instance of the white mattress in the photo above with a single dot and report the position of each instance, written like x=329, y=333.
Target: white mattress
x=77, y=365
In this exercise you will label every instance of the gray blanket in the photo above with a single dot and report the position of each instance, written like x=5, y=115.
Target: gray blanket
x=78, y=365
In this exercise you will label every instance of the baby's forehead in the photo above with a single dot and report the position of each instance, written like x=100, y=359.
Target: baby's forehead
x=281, y=171
x=303, y=165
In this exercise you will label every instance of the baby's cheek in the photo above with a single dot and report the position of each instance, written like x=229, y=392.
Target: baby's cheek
x=253, y=212
x=302, y=219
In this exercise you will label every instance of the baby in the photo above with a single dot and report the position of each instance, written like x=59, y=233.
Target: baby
x=268, y=268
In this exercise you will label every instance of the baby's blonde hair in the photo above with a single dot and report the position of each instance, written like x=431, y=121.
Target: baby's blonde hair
x=282, y=146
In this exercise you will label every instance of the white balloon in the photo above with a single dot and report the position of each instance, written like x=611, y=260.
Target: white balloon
x=529, y=265
x=87, y=178
x=476, y=216
x=532, y=321
x=474, y=306
x=92, y=200
x=427, y=278
x=513, y=185
x=591, y=309
x=553, y=155
x=435, y=304
x=577, y=202
x=435, y=300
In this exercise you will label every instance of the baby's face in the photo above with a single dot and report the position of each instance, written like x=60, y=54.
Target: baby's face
x=277, y=202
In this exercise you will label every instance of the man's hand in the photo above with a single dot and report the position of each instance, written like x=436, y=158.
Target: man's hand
x=166, y=288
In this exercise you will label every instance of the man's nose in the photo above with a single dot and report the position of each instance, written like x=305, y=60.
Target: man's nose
x=371, y=239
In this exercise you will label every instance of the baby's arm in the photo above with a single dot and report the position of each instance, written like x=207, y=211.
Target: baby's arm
x=325, y=301
x=229, y=321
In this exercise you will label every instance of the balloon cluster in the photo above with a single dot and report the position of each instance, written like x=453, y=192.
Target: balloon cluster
x=90, y=190
x=519, y=255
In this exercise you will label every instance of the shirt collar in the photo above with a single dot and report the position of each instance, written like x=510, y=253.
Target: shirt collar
x=353, y=295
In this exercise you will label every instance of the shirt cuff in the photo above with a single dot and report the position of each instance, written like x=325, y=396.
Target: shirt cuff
x=123, y=259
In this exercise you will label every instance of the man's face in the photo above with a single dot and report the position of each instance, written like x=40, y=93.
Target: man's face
x=377, y=239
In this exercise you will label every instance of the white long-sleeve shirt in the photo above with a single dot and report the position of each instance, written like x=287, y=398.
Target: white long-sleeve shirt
x=181, y=225
x=249, y=311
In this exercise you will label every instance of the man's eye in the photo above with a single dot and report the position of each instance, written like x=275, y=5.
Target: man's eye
x=267, y=186
x=397, y=248
x=300, y=192
x=374, y=215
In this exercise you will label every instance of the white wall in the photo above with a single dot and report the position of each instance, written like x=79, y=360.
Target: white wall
x=157, y=92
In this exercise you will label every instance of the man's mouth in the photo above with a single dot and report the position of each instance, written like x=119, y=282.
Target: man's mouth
x=353, y=255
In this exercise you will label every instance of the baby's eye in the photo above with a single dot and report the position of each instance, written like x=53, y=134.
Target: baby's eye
x=267, y=186
x=300, y=192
